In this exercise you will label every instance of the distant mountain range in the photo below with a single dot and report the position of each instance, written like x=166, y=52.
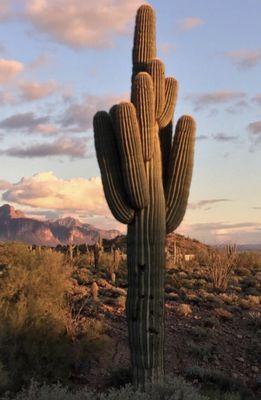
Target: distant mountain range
x=16, y=226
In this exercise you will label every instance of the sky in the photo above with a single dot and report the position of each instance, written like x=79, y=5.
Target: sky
x=63, y=60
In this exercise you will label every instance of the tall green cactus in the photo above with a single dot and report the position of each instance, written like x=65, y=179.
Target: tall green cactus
x=146, y=179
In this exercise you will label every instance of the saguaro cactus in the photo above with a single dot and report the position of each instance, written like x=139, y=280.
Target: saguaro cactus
x=146, y=178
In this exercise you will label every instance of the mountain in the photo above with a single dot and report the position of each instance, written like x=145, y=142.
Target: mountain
x=16, y=226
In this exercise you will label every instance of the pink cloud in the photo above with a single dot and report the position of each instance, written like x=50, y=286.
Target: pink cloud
x=31, y=91
x=4, y=9
x=244, y=59
x=80, y=23
x=189, y=23
x=9, y=69
x=69, y=196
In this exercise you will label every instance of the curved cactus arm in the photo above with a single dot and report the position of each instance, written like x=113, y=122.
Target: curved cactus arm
x=129, y=144
x=144, y=102
x=156, y=69
x=109, y=160
x=144, y=48
x=180, y=172
x=170, y=96
x=165, y=136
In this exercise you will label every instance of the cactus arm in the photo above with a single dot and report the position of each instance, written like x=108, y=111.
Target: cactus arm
x=144, y=48
x=180, y=172
x=109, y=160
x=171, y=92
x=165, y=136
x=130, y=149
x=156, y=69
x=143, y=99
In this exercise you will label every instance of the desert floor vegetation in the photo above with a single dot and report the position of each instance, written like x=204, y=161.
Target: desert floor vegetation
x=59, y=340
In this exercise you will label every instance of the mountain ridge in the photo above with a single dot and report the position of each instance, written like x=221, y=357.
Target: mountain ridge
x=16, y=226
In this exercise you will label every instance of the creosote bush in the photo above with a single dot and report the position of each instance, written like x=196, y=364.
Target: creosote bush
x=38, y=335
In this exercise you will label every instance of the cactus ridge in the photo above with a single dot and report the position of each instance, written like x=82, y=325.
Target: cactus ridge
x=171, y=93
x=144, y=49
x=129, y=143
x=156, y=69
x=144, y=102
x=181, y=162
x=146, y=178
x=108, y=159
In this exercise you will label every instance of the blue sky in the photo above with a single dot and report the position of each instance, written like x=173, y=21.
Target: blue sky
x=62, y=60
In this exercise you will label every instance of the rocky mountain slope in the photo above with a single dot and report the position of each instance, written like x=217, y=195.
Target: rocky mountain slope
x=16, y=226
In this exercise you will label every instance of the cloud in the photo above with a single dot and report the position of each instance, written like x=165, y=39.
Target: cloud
x=166, y=48
x=79, y=116
x=244, y=59
x=2, y=47
x=204, y=100
x=7, y=98
x=202, y=137
x=31, y=91
x=4, y=185
x=9, y=69
x=4, y=10
x=43, y=60
x=257, y=99
x=81, y=24
x=72, y=196
x=205, y=203
x=223, y=137
x=255, y=128
x=63, y=146
x=189, y=23
x=25, y=122
x=222, y=232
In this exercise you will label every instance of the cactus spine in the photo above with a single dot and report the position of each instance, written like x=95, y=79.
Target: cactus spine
x=146, y=178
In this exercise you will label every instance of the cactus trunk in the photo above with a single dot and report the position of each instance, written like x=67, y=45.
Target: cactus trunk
x=145, y=301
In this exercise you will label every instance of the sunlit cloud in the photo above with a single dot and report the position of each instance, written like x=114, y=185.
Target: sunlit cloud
x=79, y=116
x=204, y=204
x=223, y=232
x=63, y=146
x=205, y=100
x=255, y=127
x=77, y=196
x=24, y=122
x=9, y=69
x=257, y=99
x=4, y=10
x=31, y=91
x=244, y=59
x=189, y=23
x=4, y=185
x=81, y=24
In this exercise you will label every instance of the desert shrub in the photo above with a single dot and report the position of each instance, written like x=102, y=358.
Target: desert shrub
x=225, y=386
x=183, y=310
x=172, y=389
x=248, y=260
x=38, y=333
x=220, y=267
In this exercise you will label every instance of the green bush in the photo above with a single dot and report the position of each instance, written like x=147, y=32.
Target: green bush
x=39, y=335
x=173, y=389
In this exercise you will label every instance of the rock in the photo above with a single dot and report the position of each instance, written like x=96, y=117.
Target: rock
x=255, y=369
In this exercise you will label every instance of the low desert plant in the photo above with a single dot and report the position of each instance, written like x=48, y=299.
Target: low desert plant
x=172, y=389
x=220, y=267
x=38, y=336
